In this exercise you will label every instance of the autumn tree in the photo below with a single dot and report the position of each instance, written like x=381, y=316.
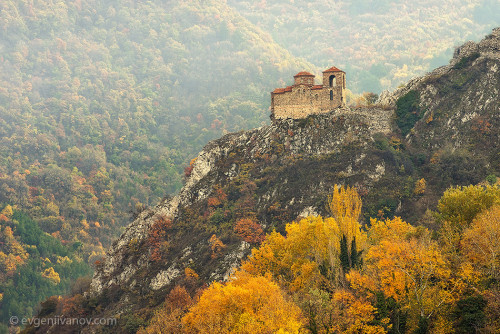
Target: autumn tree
x=246, y=304
x=308, y=257
x=481, y=248
x=249, y=230
x=314, y=256
x=157, y=237
x=52, y=275
x=216, y=245
x=406, y=266
x=460, y=205
x=190, y=274
x=168, y=318
x=420, y=187
x=12, y=253
x=7, y=211
x=353, y=315
x=481, y=243
x=345, y=207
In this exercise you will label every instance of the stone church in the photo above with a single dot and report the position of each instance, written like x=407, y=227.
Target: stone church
x=304, y=98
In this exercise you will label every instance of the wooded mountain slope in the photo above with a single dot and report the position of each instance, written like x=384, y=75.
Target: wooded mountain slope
x=103, y=103
x=249, y=183
x=380, y=44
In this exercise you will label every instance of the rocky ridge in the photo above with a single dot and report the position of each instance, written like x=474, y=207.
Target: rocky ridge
x=358, y=125
x=486, y=49
x=285, y=170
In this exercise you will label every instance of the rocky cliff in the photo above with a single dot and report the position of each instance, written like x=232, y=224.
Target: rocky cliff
x=442, y=127
x=295, y=163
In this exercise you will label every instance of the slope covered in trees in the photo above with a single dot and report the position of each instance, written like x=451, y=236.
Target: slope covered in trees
x=34, y=266
x=389, y=277
x=368, y=262
x=102, y=102
x=380, y=44
x=334, y=274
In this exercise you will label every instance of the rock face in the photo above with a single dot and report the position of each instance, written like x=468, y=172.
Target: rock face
x=488, y=50
x=283, y=144
x=277, y=173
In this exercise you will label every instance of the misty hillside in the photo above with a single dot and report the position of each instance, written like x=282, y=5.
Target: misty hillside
x=380, y=44
x=352, y=265
x=104, y=104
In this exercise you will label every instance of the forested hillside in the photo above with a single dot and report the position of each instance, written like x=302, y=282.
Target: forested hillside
x=34, y=265
x=379, y=43
x=104, y=103
x=408, y=244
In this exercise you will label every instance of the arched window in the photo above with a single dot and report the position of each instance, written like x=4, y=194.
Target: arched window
x=331, y=95
x=333, y=81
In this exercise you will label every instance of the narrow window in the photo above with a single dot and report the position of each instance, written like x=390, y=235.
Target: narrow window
x=331, y=95
x=333, y=81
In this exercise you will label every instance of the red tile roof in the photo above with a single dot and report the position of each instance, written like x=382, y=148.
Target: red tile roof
x=333, y=69
x=317, y=87
x=282, y=90
x=303, y=74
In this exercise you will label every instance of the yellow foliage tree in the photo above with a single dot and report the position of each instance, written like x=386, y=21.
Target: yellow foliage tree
x=247, y=304
x=52, y=275
x=16, y=254
x=420, y=187
x=481, y=243
x=168, y=319
x=461, y=205
x=354, y=315
x=8, y=263
x=345, y=207
x=216, y=245
x=7, y=211
x=313, y=256
x=52, y=209
x=309, y=256
x=406, y=265
x=294, y=261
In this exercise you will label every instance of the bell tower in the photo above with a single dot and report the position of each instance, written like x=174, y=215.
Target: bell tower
x=334, y=82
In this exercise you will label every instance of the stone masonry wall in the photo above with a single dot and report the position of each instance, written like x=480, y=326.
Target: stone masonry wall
x=303, y=101
x=303, y=98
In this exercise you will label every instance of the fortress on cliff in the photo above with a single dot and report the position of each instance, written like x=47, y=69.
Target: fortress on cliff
x=305, y=98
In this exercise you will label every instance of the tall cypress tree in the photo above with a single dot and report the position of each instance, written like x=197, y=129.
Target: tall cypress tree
x=344, y=255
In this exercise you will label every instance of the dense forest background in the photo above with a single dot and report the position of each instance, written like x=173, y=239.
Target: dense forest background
x=103, y=103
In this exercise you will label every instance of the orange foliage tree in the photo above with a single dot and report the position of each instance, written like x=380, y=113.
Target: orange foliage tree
x=249, y=230
x=481, y=243
x=168, y=318
x=405, y=266
x=246, y=304
x=157, y=237
x=216, y=245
